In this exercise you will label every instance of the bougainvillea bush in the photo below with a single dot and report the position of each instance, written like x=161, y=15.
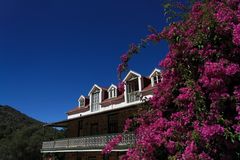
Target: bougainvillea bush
x=195, y=112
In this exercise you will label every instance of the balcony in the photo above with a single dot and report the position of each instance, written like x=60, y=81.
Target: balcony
x=133, y=96
x=91, y=143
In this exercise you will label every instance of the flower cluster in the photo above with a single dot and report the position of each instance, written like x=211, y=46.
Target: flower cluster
x=195, y=110
x=113, y=142
x=120, y=87
x=236, y=35
x=208, y=131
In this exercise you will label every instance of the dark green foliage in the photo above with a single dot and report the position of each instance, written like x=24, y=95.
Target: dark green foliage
x=21, y=136
x=176, y=10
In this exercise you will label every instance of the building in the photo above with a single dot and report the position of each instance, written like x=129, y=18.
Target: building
x=100, y=116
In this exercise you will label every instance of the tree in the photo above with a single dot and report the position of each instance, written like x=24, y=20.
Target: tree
x=21, y=137
x=195, y=112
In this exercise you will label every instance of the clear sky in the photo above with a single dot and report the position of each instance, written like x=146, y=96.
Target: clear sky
x=52, y=51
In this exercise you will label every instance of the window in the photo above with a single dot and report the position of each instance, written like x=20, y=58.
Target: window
x=94, y=129
x=81, y=102
x=95, y=101
x=92, y=158
x=132, y=90
x=80, y=127
x=106, y=157
x=79, y=157
x=112, y=93
x=156, y=79
x=113, y=123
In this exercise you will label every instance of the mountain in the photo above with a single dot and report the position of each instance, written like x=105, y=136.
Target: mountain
x=21, y=136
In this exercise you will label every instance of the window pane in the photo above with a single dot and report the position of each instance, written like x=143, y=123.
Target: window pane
x=81, y=102
x=94, y=129
x=95, y=101
x=111, y=93
x=114, y=91
x=132, y=90
x=92, y=158
x=113, y=123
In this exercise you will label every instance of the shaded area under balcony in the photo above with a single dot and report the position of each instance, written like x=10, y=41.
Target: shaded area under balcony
x=88, y=143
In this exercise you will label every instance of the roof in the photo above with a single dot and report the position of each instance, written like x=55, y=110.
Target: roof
x=78, y=110
x=112, y=99
x=131, y=72
x=97, y=86
x=112, y=85
x=116, y=100
x=149, y=87
x=155, y=70
x=82, y=96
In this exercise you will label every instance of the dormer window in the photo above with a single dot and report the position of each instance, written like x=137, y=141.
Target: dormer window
x=132, y=90
x=81, y=101
x=96, y=95
x=112, y=91
x=95, y=101
x=155, y=77
x=133, y=86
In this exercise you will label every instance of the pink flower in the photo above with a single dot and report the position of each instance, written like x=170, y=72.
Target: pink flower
x=153, y=37
x=232, y=69
x=121, y=87
x=120, y=68
x=224, y=13
x=214, y=68
x=237, y=93
x=208, y=131
x=237, y=97
x=236, y=35
x=128, y=124
x=237, y=129
x=124, y=58
x=110, y=145
x=198, y=98
x=189, y=152
x=171, y=146
x=167, y=62
x=204, y=156
x=186, y=94
x=238, y=13
x=133, y=48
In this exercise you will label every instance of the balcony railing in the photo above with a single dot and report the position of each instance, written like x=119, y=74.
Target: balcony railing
x=133, y=96
x=87, y=143
x=95, y=107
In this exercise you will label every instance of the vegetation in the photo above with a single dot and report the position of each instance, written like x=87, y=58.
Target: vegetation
x=21, y=136
x=195, y=112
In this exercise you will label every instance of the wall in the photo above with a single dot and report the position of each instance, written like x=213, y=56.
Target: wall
x=101, y=120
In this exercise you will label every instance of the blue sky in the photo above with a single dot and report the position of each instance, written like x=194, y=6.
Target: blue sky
x=52, y=51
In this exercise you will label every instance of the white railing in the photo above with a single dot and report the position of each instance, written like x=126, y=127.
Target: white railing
x=133, y=96
x=95, y=107
x=90, y=142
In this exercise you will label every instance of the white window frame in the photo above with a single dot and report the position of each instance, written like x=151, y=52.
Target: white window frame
x=80, y=100
x=95, y=101
x=155, y=79
x=132, y=91
x=90, y=94
x=112, y=92
x=130, y=76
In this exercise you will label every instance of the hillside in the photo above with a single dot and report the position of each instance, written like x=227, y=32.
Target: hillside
x=20, y=135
